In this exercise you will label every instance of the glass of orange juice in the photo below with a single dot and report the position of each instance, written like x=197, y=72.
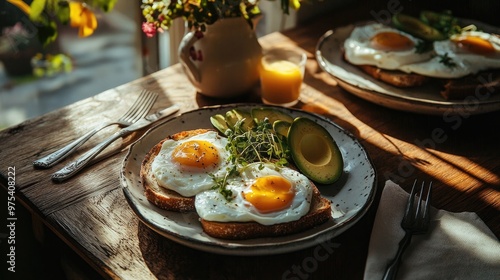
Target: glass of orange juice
x=281, y=75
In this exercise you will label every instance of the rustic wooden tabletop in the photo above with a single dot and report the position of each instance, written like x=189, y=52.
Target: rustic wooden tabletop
x=90, y=213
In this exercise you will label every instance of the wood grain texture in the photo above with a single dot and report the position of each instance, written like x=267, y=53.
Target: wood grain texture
x=106, y=231
x=90, y=213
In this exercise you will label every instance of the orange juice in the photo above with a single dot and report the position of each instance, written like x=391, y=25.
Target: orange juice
x=280, y=81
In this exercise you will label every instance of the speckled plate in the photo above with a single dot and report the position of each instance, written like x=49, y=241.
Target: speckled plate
x=425, y=99
x=351, y=195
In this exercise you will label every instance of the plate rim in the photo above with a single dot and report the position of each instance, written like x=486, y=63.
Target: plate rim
x=396, y=101
x=254, y=249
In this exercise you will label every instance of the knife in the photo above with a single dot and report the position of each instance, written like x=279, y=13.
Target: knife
x=71, y=169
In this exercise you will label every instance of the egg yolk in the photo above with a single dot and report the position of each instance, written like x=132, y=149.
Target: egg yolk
x=196, y=153
x=270, y=194
x=391, y=41
x=475, y=45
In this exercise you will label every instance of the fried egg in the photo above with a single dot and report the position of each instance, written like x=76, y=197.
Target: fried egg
x=187, y=165
x=382, y=46
x=262, y=193
x=461, y=55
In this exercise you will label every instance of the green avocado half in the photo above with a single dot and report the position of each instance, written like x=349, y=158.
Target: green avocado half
x=417, y=28
x=314, y=151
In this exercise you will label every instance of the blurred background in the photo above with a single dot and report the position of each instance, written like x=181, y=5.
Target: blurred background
x=115, y=54
x=118, y=51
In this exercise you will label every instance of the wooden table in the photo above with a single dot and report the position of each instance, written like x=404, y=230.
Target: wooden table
x=90, y=213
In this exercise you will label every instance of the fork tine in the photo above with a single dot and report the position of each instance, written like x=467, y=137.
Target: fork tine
x=138, y=107
x=131, y=111
x=408, y=216
x=427, y=207
x=144, y=109
x=418, y=212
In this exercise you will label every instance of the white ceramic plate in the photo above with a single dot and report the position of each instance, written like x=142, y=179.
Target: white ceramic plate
x=351, y=195
x=426, y=99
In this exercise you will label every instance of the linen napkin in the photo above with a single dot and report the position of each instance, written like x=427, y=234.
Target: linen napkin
x=457, y=245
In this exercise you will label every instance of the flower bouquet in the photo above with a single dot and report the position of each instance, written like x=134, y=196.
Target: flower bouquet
x=159, y=14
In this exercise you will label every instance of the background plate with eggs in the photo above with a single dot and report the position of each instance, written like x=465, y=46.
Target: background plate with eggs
x=424, y=99
x=351, y=195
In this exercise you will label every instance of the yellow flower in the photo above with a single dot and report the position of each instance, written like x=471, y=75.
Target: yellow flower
x=83, y=18
x=295, y=4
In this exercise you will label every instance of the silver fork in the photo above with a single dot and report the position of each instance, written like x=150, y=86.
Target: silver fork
x=138, y=110
x=415, y=221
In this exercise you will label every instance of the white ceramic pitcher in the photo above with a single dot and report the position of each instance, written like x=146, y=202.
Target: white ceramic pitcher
x=224, y=60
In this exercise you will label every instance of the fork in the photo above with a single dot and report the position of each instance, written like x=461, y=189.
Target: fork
x=415, y=221
x=138, y=110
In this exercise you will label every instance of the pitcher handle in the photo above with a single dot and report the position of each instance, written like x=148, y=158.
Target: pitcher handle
x=184, y=55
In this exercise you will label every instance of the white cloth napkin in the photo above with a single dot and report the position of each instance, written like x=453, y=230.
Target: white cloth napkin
x=457, y=246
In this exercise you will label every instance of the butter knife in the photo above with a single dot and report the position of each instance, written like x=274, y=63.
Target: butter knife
x=72, y=168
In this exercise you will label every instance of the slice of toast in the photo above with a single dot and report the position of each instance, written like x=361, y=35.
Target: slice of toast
x=319, y=212
x=394, y=77
x=480, y=85
x=162, y=197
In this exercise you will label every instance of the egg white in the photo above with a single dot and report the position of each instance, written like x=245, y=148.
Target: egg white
x=465, y=63
x=358, y=50
x=212, y=206
x=188, y=181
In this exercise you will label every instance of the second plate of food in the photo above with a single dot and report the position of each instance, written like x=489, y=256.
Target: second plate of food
x=350, y=196
x=424, y=99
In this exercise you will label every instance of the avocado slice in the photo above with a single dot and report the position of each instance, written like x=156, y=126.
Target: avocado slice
x=314, y=151
x=432, y=18
x=235, y=115
x=417, y=28
x=259, y=114
x=219, y=122
x=281, y=127
x=445, y=22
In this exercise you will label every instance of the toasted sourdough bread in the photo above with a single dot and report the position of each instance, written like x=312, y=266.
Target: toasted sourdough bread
x=395, y=78
x=319, y=213
x=160, y=196
x=453, y=89
x=479, y=85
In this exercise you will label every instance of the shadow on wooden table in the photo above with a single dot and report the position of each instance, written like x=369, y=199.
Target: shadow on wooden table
x=169, y=260
x=412, y=145
x=45, y=259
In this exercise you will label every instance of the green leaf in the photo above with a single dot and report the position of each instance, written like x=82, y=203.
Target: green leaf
x=37, y=8
x=106, y=5
x=62, y=12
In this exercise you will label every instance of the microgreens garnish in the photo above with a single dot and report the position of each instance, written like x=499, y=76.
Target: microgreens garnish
x=221, y=183
x=446, y=23
x=258, y=144
x=447, y=61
